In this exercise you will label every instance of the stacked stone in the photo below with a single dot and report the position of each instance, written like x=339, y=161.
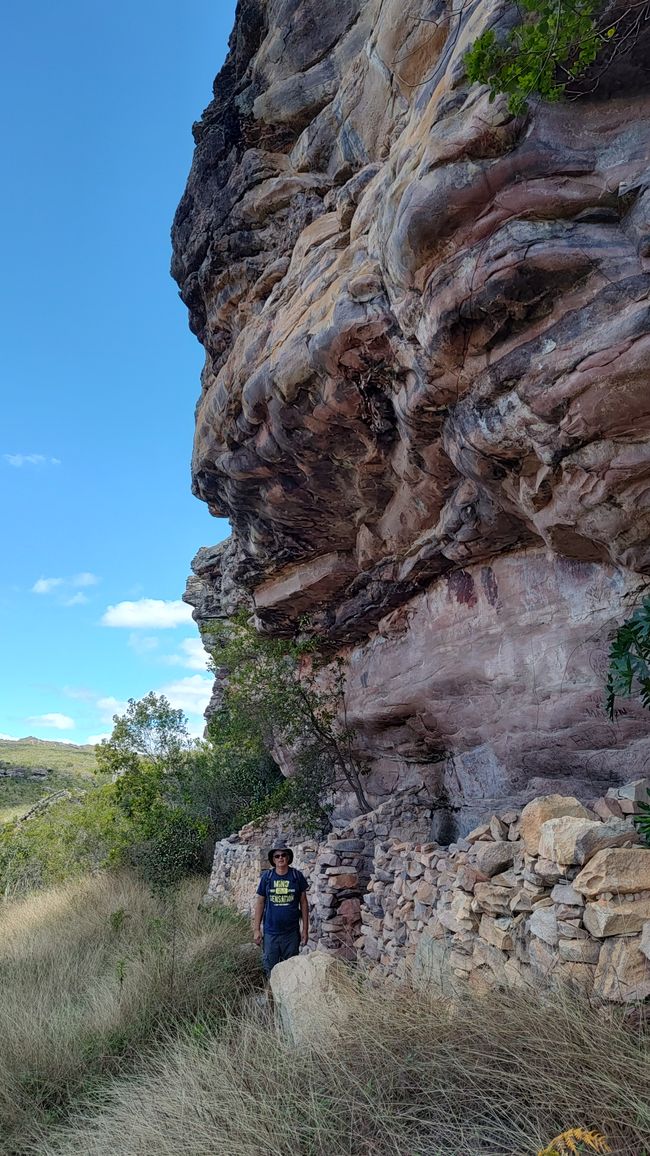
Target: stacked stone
x=557, y=892
x=344, y=864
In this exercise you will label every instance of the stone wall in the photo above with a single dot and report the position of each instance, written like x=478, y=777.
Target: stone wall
x=557, y=891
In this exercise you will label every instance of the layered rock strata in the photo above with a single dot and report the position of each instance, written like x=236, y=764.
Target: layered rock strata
x=425, y=403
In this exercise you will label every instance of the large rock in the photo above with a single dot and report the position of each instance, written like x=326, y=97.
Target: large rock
x=616, y=917
x=424, y=405
x=309, y=995
x=569, y=841
x=540, y=811
x=618, y=870
x=623, y=971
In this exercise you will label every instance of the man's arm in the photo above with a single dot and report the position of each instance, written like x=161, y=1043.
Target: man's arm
x=304, y=915
x=257, y=918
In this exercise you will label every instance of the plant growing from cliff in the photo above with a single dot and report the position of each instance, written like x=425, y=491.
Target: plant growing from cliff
x=555, y=43
x=281, y=695
x=629, y=660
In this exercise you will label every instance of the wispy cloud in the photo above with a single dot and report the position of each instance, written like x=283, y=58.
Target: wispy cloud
x=143, y=644
x=147, y=614
x=94, y=739
x=19, y=460
x=110, y=706
x=61, y=585
x=191, y=694
x=54, y=721
x=46, y=585
x=9, y=739
x=191, y=654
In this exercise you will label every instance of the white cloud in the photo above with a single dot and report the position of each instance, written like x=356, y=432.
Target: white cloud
x=110, y=706
x=94, y=739
x=18, y=460
x=55, y=721
x=147, y=613
x=143, y=643
x=79, y=692
x=191, y=655
x=46, y=585
x=84, y=579
x=191, y=694
x=9, y=739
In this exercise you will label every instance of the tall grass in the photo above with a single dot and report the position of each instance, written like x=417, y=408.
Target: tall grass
x=406, y=1075
x=91, y=975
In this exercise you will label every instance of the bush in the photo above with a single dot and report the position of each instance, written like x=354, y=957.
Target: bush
x=69, y=838
x=552, y=45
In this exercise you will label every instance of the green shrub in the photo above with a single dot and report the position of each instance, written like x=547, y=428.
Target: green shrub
x=553, y=44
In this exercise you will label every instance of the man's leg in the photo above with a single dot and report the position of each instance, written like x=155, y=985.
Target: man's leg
x=271, y=953
x=289, y=945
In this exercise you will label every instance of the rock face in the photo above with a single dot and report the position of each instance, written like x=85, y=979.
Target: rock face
x=425, y=406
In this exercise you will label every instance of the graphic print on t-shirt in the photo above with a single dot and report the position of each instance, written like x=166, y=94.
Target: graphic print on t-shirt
x=282, y=893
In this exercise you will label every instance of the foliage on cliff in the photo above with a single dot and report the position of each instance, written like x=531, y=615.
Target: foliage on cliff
x=280, y=695
x=554, y=44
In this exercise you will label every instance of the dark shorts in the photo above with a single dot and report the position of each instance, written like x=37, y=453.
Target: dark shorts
x=278, y=948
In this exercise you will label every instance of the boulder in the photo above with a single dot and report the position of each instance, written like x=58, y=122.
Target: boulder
x=491, y=858
x=568, y=840
x=578, y=950
x=616, y=917
x=309, y=995
x=623, y=971
x=540, y=810
x=498, y=932
x=617, y=869
x=644, y=942
x=543, y=924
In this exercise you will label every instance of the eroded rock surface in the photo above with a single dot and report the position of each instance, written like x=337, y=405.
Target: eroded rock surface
x=425, y=403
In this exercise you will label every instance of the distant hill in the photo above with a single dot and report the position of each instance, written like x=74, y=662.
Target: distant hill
x=31, y=768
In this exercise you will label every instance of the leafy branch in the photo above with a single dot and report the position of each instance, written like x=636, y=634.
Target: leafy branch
x=629, y=660
x=554, y=44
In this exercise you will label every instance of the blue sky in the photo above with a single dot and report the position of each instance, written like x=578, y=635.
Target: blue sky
x=98, y=371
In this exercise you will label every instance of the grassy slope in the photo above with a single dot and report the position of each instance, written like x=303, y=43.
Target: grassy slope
x=94, y=973
x=69, y=767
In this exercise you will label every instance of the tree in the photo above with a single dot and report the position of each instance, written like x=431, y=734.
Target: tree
x=150, y=731
x=281, y=693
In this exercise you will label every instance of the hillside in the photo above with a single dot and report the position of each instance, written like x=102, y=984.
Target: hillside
x=32, y=768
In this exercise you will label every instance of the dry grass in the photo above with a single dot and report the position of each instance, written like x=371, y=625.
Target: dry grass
x=406, y=1076
x=91, y=974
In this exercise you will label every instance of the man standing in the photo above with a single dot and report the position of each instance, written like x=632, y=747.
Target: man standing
x=280, y=908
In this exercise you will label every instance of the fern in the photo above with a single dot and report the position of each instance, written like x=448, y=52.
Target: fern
x=629, y=659
x=576, y=1140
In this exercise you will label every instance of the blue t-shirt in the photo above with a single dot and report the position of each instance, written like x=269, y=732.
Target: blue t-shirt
x=282, y=894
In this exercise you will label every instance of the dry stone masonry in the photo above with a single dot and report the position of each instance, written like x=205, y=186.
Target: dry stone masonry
x=556, y=892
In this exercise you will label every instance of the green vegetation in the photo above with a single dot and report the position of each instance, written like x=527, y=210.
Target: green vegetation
x=92, y=976
x=629, y=660
x=67, y=767
x=281, y=694
x=405, y=1074
x=553, y=44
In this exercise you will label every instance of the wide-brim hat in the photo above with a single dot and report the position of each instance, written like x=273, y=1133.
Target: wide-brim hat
x=280, y=846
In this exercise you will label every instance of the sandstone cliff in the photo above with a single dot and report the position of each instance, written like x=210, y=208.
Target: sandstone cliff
x=425, y=405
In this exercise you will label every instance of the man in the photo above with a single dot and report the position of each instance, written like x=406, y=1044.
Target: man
x=280, y=908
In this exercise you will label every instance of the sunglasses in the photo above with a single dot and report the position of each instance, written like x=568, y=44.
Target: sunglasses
x=281, y=855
